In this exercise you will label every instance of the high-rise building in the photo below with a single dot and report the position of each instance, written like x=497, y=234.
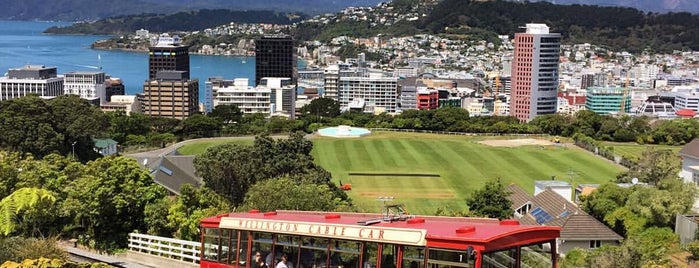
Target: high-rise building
x=88, y=85
x=331, y=82
x=275, y=56
x=31, y=79
x=171, y=95
x=535, y=72
x=168, y=54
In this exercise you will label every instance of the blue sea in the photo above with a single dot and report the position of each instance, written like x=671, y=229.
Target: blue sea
x=22, y=43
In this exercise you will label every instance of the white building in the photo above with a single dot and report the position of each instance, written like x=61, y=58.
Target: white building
x=690, y=166
x=88, y=85
x=238, y=92
x=687, y=101
x=378, y=93
x=31, y=79
x=127, y=103
x=282, y=95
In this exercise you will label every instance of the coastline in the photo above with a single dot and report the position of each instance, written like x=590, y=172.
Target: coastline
x=146, y=51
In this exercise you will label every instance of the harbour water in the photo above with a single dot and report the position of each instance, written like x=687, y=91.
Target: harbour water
x=22, y=43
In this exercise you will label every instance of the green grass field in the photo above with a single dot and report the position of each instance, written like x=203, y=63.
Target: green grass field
x=199, y=147
x=463, y=165
x=634, y=151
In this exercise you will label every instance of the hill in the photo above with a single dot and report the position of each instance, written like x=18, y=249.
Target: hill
x=78, y=10
x=662, y=6
x=619, y=28
x=616, y=27
x=181, y=21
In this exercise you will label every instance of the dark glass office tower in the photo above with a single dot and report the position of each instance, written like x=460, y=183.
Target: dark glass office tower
x=168, y=55
x=275, y=56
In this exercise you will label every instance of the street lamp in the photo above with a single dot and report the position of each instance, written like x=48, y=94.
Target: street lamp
x=73, y=147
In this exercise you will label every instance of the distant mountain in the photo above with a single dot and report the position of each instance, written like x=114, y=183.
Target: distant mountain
x=180, y=21
x=662, y=6
x=72, y=10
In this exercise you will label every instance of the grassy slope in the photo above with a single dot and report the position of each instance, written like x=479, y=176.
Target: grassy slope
x=634, y=151
x=464, y=165
x=199, y=147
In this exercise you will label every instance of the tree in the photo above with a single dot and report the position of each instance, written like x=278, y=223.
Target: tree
x=653, y=166
x=227, y=114
x=319, y=108
x=284, y=193
x=79, y=122
x=200, y=126
x=123, y=125
x=32, y=206
x=491, y=201
x=229, y=170
x=605, y=200
x=26, y=125
x=107, y=201
x=191, y=206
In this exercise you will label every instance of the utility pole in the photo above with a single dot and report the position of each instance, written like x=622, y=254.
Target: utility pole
x=73, y=147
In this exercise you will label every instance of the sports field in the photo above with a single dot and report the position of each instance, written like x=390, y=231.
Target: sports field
x=634, y=151
x=427, y=171
x=462, y=164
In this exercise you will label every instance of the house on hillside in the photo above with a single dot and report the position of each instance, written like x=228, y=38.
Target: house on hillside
x=106, y=147
x=171, y=171
x=547, y=207
x=690, y=165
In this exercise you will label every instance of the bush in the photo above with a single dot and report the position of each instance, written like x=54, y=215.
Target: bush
x=693, y=248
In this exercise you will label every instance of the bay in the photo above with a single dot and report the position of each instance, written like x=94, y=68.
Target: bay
x=22, y=43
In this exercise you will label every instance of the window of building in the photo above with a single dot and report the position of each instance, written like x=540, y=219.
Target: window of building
x=595, y=243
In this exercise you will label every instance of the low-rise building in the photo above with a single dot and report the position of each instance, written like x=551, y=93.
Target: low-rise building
x=88, y=85
x=31, y=79
x=378, y=93
x=608, y=100
x=547, y=207
x=238, y=92
x=127, y=103
x=427, y=99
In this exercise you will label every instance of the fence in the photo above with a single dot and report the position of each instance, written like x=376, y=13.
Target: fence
x=170, y=248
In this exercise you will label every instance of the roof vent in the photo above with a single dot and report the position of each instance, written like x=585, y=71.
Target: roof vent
x=509, y=222
x=466, y=229
x=270, y=213
x=332, y=216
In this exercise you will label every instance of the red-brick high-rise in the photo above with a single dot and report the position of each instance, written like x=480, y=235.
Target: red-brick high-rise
x=535, y=72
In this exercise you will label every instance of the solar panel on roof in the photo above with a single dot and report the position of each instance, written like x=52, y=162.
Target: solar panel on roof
x=564, y=213
x=166, y=170
x=541, y=215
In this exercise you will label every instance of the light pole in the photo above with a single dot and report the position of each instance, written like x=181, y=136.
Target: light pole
x=72, y=145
